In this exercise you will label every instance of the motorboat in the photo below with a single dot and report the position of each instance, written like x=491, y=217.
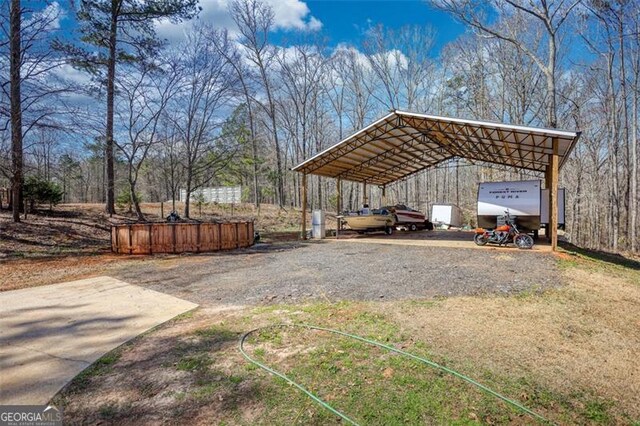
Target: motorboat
x=371, y=220
x=407, y=218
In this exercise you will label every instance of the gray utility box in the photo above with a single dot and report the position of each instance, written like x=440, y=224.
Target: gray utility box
x=317, y=224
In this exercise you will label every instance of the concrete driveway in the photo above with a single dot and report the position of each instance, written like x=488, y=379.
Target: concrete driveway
x=50, y=334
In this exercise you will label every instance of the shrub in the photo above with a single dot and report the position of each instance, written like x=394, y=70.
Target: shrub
x=124, y=198
x=39, y=190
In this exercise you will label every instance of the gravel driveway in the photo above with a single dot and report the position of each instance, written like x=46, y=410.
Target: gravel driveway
x=329, y=270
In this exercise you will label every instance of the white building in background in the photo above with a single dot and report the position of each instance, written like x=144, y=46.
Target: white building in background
x=221, y=195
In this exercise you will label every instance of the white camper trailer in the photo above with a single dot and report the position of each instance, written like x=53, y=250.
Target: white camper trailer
x=525, y=200
x=446, y=214
x=544, y=207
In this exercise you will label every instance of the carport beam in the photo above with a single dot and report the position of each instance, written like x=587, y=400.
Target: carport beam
x=304, y=206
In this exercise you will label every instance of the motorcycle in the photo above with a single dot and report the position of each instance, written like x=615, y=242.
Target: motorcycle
x=503, y=235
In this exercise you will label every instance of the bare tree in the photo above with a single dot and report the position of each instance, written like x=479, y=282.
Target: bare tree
x=31, y=83
x=255, y=20
x=168, y=157
x=207, y=82
x=120, y=31
x=15, y=47
x=550, y=16
x=245, y=76
x=145, y=94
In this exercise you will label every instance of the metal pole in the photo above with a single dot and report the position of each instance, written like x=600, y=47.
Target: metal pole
x=384, y=195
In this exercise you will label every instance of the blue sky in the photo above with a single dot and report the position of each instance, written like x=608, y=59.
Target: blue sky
x=340, y=21
x=345, y=21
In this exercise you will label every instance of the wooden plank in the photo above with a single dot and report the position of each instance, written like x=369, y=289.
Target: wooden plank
x=150, y=239
x=139, y=239
x=114, y=240
x=123, y=236
x=162, y=238
x=198, y=239
x=173, y=237
x=187, y=237
x=206, y=242
x=228, y=237
x=130, y=241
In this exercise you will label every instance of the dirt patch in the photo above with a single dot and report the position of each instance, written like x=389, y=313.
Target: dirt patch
x=330, y=271
x=63, y=231
x=22, y=273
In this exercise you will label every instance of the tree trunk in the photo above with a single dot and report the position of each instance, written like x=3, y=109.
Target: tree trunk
x=552, y=114
x=134, y=200
x=187, y=203
x=16, y=110
x=111, y=75
x=254, y=152
x=613, y=158
x=625, y=135
x=633, y=172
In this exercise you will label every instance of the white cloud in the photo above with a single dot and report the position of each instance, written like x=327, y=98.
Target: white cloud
x=47, y=19
x=289, y=15
x=351, y=51
x=293, y=15
x=314, y=24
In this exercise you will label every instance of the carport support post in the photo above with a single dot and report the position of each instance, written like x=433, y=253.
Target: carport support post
x=338, y=203
x=304, y=206
x=551, y=179
x=384, y=195
x=365, y=198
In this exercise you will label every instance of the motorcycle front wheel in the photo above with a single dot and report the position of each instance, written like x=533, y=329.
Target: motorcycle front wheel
x=480, y=239
x=523, y=241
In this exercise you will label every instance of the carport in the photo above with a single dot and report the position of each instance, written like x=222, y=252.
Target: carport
x=402, y=143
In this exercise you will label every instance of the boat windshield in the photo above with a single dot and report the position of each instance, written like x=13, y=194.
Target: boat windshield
x=400, y=207
x=382, y=212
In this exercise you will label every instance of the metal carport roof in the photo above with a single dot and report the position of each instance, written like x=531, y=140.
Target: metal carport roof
x=403, y=143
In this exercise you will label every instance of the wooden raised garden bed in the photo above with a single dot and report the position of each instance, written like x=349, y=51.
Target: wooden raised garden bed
x=149, y=238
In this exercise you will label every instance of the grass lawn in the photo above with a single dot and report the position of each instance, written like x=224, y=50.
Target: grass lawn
x=570, y=354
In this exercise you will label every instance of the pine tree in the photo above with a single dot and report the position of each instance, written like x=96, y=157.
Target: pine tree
x=122, y=31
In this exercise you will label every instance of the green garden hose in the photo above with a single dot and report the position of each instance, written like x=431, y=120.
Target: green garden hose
x=380, y=345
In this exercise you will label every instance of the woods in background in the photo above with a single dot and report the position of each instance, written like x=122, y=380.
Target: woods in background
x=119, y=113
